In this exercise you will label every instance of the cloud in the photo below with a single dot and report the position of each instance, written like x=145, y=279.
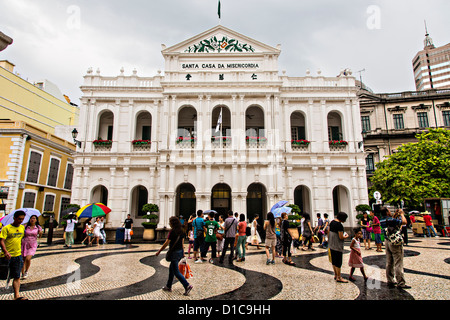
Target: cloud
x=60, y=39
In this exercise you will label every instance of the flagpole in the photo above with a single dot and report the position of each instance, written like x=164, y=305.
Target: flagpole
x=221, y=122
x=219, y=9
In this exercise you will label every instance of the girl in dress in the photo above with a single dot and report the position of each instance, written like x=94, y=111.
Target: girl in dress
x=254, y=239
x=355, y=260
x=33, y=231
x=96, y=232
x=222, y=232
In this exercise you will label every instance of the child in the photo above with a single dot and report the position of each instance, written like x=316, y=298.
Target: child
x=355, y=260
x=191, y=243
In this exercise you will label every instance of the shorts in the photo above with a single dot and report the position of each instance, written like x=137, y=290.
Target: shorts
x=378, y=238
x=336, y=258
x=14, y=266
x=271, y=242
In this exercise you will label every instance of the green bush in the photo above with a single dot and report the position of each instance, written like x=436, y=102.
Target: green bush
x=150, y=207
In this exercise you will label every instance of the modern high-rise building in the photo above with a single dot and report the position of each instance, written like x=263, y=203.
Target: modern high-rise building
x=432, y=66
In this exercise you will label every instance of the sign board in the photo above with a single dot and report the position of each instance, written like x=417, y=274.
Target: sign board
x=377, y=195
x=4, y=191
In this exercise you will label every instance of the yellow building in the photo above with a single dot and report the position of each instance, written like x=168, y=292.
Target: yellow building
x=40, y=105
x=36, y=167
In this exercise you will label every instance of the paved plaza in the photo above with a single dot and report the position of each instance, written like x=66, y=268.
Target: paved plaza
x=133, y=272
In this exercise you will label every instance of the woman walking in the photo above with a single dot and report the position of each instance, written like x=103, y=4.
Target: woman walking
x=254, y=239
x=307, y=233
x=271, y=237
x=242, y=237
x=70, y=227
x=286, y=240
x=96, y=231
x=175, y=242
x=33, y=231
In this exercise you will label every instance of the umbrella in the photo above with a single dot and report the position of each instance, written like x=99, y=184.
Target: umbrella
x=208, y=211
x=279, y=204
x=278, y=211
x=8, y=219
x=93, y=210
x=70, y=210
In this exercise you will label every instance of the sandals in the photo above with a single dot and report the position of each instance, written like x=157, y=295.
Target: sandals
x=21, y=298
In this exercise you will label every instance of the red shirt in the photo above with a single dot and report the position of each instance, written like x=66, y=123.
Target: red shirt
x=428, y=221
x=242, y=228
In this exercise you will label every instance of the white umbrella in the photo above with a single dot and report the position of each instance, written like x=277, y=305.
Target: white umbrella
x=8, y=219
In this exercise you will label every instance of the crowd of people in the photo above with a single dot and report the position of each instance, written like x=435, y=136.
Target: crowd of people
x=218, y=234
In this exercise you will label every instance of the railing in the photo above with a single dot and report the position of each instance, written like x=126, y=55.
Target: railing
x=186, y=142
x=338, y=145
x=300, y=145
x=102, y=145
x=256, y=142
x=217, y=144
x=141, y=145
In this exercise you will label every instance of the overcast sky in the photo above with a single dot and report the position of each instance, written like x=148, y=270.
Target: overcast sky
x=59, y=40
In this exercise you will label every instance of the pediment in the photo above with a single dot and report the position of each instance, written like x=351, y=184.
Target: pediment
x=220, y=40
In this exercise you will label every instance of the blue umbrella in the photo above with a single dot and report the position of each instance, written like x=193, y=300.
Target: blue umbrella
x=278, y=211
x=279, y=204
x=8, y=219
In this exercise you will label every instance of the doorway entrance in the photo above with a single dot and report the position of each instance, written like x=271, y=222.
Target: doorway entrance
x=221, y=199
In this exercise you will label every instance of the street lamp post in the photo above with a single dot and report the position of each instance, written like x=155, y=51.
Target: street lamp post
x=74, y=136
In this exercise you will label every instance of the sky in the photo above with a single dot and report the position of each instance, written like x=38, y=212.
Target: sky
x=59, y=40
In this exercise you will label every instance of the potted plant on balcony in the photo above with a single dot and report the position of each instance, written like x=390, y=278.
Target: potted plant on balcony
x=300, y=142
x=151, y=221
x=338, y=143
x=101, y=142
x=141, y=142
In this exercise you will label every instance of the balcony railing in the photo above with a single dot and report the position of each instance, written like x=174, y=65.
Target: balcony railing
x=186, y=142
x=141, y=145
x=300, y=145
x=256, y=142
x=221, y=142
x=102, y=145
x=338, y=145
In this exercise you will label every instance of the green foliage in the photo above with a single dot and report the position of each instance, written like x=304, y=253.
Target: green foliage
x=417, y=171
x=150, y=207
x=363, y=207
x=295, y=208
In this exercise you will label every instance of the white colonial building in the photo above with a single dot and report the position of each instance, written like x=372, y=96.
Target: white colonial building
x=160, y=141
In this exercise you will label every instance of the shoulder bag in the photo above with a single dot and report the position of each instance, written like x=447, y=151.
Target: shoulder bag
x=169, y=253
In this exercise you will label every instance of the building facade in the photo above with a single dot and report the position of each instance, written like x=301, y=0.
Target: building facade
x=41, y=105
x=391, y=119
x=221, y=130
x=432, y=66
x=36, y=168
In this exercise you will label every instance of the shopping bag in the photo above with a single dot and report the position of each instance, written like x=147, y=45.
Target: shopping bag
x=185, y=269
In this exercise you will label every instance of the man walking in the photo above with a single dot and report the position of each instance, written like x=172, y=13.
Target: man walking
x=11, y=255
x=230, y=226
x=394, y=252
x=199, y=236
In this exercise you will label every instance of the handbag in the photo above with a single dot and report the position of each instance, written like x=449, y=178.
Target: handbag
x=219, y=236
x=394, y=236
x=169, y=253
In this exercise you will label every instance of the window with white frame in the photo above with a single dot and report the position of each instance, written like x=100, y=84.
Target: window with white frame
x=34, y=166
x=53, y=172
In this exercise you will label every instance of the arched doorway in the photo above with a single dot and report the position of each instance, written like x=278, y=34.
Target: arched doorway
x=99, y=194
x=256, y=202
x=139, y=197
x=221, y=199
x=186, y=203
x=302, y=199
x=341, y=200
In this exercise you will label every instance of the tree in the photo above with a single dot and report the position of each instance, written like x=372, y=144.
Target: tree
x=417, y=171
